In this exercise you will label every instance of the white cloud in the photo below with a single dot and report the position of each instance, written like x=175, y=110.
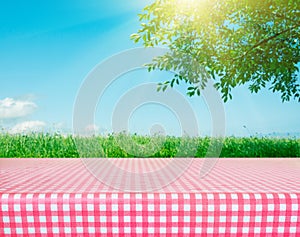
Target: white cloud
x=28, y=127
x=11, y=108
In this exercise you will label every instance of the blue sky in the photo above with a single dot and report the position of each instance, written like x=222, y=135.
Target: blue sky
x=48, y=48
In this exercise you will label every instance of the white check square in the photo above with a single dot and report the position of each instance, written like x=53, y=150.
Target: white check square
x=211, y=208
x=5, y=207
x=42, y=219
x=162, y=207
x=19, y=230
x=29, y=207
x=174, y=207
x=66, y=219
x=66, y=207
x=138, y=207
x=18, y=219
x=233, y=230
x=67, y=230
x=151, y=207
x=30, y=219
x=17, y=207
x=126, y=207
x=79, y=230
x=114, y=207
x=186, y=207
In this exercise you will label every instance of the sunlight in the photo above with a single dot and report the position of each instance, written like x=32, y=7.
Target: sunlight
x=185, y=1
x=186, y=5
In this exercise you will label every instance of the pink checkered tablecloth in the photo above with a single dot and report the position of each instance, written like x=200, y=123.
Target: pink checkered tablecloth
x=238, y=197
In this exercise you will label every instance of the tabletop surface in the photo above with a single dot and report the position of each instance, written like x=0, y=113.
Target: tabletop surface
x=238, y=175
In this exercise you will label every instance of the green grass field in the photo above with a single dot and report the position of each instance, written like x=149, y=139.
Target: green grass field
x=58, y=146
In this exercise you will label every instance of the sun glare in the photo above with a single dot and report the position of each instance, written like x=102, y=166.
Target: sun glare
x=186, y=1
x=186, y=4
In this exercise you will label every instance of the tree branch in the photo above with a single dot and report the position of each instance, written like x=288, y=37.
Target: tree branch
x=265, y=41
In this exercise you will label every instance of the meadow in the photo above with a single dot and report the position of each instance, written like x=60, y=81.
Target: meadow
x=42, y=145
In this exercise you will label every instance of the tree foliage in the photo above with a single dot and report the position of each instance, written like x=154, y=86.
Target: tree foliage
x=235, y=42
